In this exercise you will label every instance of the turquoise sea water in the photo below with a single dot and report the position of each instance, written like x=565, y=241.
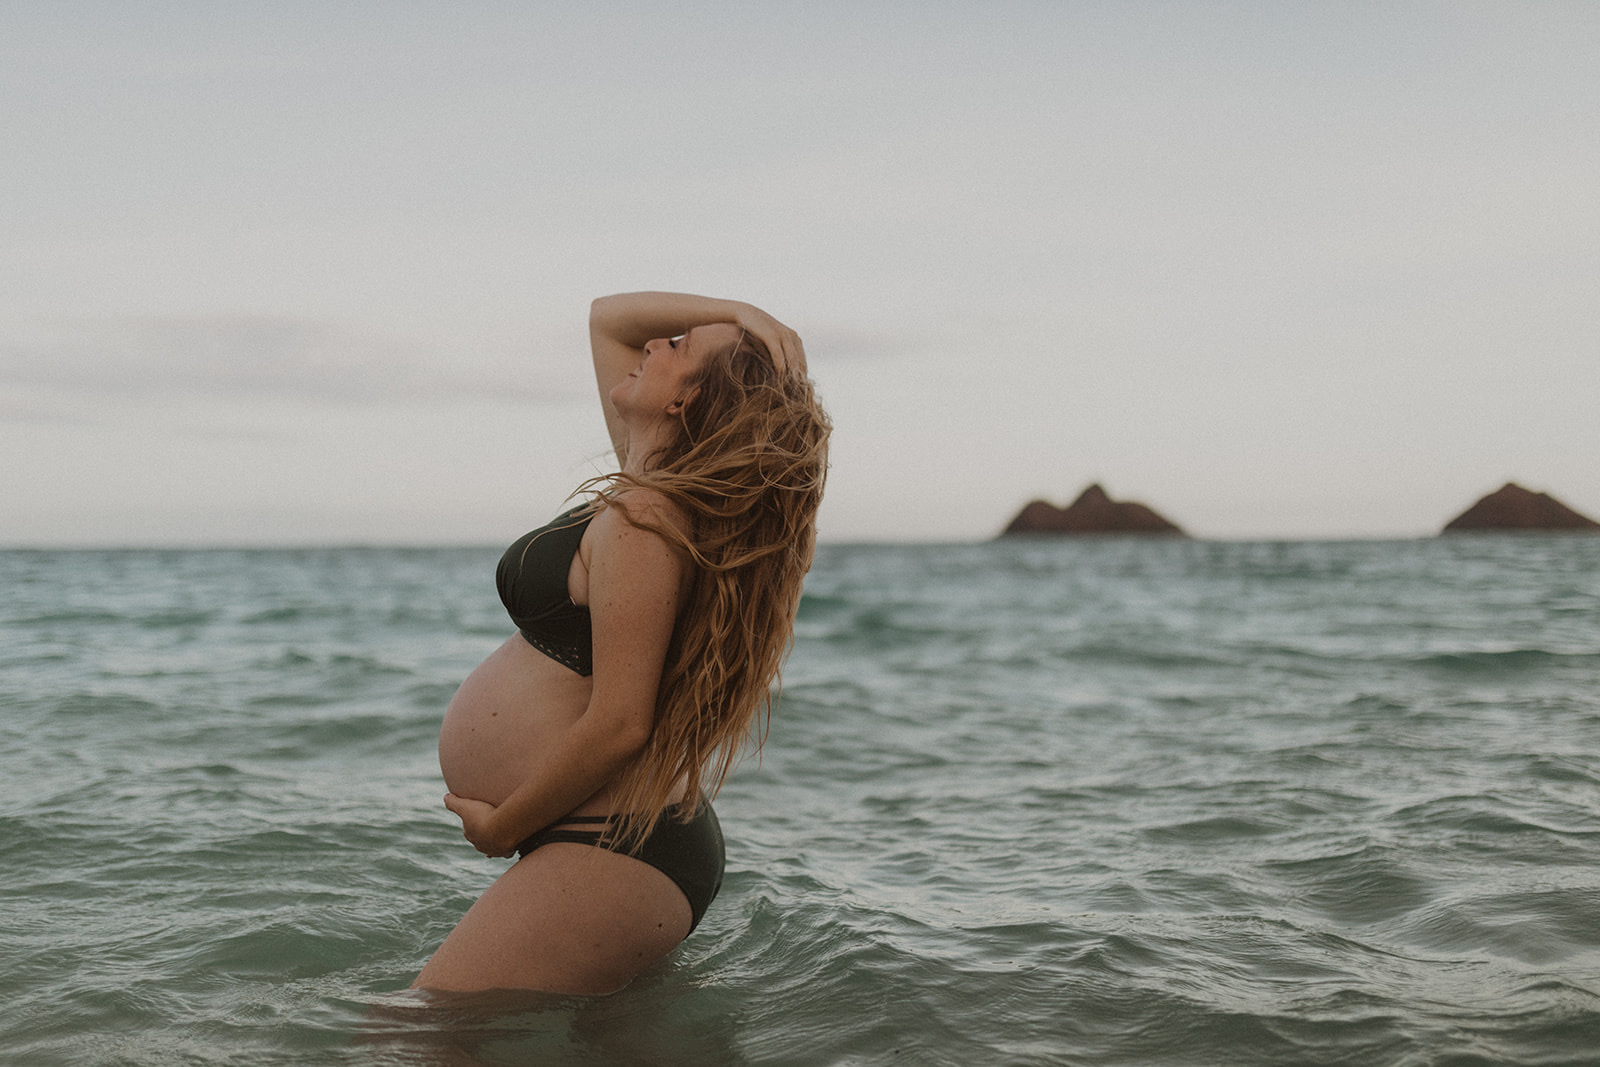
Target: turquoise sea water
x=1092, y=802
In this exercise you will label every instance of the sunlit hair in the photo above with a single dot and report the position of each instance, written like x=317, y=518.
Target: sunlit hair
x=747, y=469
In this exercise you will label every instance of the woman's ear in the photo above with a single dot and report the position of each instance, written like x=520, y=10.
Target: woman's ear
x=677, y=406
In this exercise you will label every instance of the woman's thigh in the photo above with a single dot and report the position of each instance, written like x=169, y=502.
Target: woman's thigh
x=565, y=918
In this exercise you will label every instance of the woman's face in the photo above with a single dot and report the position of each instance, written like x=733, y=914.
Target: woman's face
x=660, y=384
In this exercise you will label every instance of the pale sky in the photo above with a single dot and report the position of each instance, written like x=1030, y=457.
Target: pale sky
x=319, y=272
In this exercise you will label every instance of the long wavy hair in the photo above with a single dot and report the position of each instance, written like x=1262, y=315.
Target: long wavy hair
x=747, y=468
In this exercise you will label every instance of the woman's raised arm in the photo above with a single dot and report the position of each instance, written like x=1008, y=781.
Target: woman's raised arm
x=620, y=325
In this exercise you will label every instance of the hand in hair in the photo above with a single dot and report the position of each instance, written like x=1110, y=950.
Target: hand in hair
x=788, y=353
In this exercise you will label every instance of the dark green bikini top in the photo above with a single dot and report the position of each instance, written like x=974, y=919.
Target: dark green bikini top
x=532, y=577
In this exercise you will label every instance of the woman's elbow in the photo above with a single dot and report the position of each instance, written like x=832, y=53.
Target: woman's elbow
x=602, y=309
x=627, y=740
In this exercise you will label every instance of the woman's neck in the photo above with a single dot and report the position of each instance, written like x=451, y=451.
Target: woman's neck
x=645, y=442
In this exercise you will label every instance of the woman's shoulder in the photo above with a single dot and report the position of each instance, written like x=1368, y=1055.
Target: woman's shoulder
x=647, y=510
x=642, y=540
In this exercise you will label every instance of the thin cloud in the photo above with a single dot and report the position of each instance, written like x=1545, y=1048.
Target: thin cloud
x=14, y=409
x=847, y=343
x=235, y=356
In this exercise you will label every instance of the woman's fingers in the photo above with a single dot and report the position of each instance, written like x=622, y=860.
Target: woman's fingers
x=474, y=815
x=788, y=354
x=794, y=355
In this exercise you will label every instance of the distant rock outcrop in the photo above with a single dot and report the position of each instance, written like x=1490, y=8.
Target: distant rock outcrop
x=1092, y=513
x=1512, y=507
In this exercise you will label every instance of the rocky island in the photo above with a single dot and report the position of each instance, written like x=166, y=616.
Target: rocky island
x=1511, y=507
x=1094, y=512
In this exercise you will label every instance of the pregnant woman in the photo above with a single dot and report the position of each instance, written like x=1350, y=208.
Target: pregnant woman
x=651, y=622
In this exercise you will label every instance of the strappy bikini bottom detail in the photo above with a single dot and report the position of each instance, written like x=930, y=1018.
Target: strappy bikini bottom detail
x=690, y=853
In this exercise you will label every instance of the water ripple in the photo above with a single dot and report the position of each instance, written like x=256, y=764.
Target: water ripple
x=1093, y=803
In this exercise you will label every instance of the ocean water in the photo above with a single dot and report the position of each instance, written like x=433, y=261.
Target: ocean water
x=1036, y=802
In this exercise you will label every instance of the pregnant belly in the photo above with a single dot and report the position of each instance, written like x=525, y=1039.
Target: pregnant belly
x=511, y=706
